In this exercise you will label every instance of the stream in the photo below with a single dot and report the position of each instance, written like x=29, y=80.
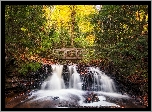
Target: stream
x=70, y=87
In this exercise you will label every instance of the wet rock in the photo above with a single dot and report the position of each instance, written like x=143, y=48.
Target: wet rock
x=92, y=98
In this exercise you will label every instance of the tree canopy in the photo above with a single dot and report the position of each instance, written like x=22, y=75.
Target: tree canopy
x=122, y=37
x=116, y=33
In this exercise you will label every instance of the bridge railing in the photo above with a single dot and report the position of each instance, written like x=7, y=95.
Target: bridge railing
x=69, y=53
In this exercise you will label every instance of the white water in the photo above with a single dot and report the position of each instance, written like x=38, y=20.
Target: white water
x=58, y=69
x=54, y=86
x=68, y=96
x=75, y=81
x=70, y=69
x=101, y=81
x=54, y=82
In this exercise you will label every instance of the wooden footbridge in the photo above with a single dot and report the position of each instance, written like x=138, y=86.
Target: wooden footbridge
x=69, y=53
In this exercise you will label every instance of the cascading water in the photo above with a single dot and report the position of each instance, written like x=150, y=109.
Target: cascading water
x=101, y=81
x=75, y=81
x=70, y=69
x=54, y=82
x=58, y=69
x=53, y=92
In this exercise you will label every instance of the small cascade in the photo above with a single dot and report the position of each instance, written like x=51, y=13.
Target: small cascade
x=54, y=82
x=58, y=69
x=75, y=81
x=102, y=82
x=70, y=69
x=94, y=80
x=88, y=89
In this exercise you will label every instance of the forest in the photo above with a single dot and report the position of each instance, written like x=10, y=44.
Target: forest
x=113, y=37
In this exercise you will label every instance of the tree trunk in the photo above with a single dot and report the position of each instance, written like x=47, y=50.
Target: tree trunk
x=72, y=24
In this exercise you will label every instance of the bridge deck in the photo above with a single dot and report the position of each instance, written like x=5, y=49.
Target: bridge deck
x=69, y=53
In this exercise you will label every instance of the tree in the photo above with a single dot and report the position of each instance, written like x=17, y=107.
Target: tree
x=33, y=31
x=74, y=21
x=23, y=33
x=122, y=39
x=70, y=26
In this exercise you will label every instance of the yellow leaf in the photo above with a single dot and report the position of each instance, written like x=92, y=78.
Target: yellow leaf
x=90, y=39
x=23, y=29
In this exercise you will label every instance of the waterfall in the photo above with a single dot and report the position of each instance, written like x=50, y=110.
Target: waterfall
x=91, y=80
x=75, y=81
x=58, y=69
x=70, y=69
x=95, y=78
x=54, y=82
x=101, y=81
